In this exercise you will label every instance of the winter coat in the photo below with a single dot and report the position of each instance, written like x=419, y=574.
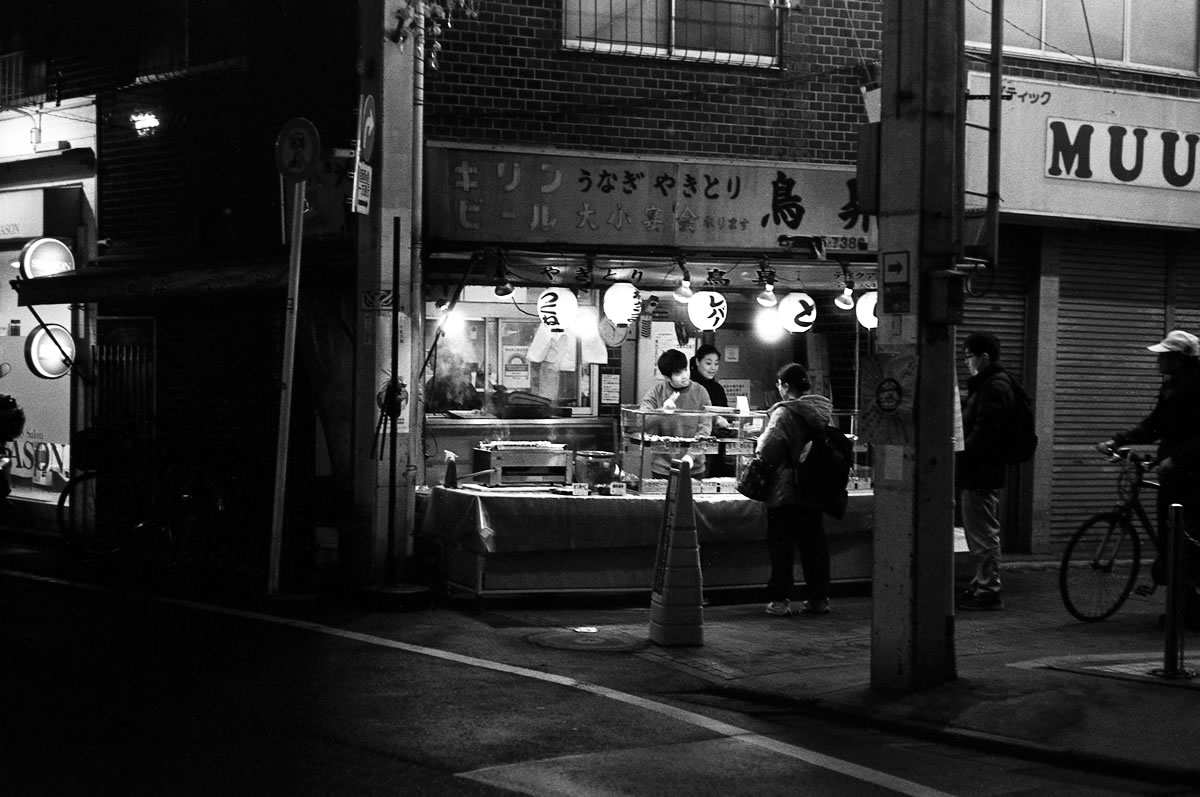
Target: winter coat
x=1174, y=421
x=716, y=393
x=987, y=418
x=782, y=444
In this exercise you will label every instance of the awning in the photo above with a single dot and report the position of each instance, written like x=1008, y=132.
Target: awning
x=45, y=167
x=101, y=284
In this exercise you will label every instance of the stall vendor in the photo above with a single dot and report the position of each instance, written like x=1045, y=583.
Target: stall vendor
x=677, y=391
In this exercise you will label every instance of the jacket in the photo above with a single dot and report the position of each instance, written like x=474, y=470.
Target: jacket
x=784, y=442
x=1174, y=422
x=987, y=417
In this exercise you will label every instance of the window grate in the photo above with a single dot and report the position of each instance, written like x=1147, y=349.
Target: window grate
x=720, y=31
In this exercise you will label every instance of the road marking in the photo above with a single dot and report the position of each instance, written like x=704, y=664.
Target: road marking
x=866, y=774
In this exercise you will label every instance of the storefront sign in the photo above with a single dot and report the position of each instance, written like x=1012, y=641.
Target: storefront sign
x=44, y=257
x=591, y=200
x=21, y=214
x=1091, y=153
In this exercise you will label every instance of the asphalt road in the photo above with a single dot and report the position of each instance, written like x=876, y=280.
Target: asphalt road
x=112, y=693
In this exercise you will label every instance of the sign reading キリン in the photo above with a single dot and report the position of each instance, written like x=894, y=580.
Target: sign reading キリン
x=554, y=197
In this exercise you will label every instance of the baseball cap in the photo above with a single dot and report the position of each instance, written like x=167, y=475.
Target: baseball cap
x=1180, y=341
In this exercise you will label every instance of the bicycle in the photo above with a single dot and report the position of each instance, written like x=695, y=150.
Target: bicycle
x=1103, y=557
x=105, y=509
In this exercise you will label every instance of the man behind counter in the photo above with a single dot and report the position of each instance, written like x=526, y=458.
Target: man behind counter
x=677, y=391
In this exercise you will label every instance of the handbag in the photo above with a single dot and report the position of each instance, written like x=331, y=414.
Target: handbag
x=753, y=481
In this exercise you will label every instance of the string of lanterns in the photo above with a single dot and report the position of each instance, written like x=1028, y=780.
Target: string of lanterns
x=707, y=310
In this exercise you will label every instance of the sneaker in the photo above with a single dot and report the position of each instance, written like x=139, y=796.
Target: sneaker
x=980, y=602
x=779, y=608
x=815, y=607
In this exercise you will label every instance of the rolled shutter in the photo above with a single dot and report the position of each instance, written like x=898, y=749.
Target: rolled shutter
x=1112, y=305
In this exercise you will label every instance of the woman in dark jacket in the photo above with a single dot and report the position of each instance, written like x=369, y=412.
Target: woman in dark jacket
x=704, y=373
x=794, y=520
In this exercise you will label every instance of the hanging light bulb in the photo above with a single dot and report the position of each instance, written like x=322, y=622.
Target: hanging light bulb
x=846, y=300
x=767, y=298
x=684, y=292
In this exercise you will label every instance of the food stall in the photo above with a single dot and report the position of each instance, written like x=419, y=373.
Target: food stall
x=550, y=293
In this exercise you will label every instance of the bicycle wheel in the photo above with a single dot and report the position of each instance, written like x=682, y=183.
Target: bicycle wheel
x=97, y=513
x=1099, y=567
x=195, y=511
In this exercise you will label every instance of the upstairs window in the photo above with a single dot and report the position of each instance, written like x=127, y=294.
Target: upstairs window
x=717, y=31
x=185, y=36
x=1134, y=33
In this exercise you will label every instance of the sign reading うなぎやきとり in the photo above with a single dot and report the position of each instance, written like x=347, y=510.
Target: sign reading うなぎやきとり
x=1091, y=153
x=555, y=197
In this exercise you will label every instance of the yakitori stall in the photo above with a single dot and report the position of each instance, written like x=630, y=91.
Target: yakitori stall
x=542, y=339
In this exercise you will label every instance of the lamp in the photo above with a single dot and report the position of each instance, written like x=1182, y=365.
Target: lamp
x=866, y=309
x=767, y=297
x=766, y=276
x=846, y=300
x=797, y=312
x=707, y=310
x=557, y=307
x=622, y=303
x=684, y=292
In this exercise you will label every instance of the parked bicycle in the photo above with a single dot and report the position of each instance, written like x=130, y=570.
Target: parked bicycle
x=1102, y=560
x=166, y=516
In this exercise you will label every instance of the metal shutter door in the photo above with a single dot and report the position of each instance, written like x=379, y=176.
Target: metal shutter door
x=1112, y=297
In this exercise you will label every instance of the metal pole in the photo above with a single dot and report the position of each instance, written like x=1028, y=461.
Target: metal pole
x=1177, y=589
x=995, y=108
x=416, y=406
x=285, y=390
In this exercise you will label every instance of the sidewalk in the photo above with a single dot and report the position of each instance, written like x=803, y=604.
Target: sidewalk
x=1032, y=681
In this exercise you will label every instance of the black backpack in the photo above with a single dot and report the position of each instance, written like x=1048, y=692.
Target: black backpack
x=1021, y=440
x=825, y=470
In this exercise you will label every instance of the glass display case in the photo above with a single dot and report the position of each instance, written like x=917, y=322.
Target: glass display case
x=650, y=439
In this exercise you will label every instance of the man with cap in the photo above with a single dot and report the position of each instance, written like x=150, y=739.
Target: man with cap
x=1175, y=424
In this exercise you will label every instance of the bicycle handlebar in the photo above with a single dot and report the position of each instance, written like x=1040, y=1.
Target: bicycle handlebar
x=1118, y=453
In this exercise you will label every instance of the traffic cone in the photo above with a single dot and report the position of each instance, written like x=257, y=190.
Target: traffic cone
x=676, y=600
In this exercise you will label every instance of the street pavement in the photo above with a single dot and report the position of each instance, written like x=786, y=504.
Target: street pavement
x=1031, y=680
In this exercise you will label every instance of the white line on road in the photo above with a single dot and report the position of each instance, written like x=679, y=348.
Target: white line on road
x=866, y=774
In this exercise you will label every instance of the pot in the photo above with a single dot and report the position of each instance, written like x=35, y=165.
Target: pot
x=595, y=468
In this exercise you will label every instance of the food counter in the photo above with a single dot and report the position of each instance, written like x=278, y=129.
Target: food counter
x=497, y=541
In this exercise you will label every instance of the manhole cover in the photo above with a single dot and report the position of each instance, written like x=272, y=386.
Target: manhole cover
x=599, y=640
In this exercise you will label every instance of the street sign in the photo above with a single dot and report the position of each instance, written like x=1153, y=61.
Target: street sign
x=366, y=128
x=297, y=150
x=895, y=274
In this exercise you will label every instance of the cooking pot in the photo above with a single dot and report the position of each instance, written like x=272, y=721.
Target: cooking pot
x=595, y=468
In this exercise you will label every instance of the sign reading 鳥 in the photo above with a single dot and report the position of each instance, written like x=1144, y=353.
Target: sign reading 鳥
x=591, y=199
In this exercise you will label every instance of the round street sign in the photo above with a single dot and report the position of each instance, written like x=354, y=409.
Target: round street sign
x=42, y=257
x=366, y=133
x=297, y=149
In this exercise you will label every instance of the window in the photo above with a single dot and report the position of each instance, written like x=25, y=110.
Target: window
x=1146, y=33
x=723, y=31
x=178, y=36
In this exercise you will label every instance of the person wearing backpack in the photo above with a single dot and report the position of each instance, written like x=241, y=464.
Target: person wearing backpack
x=794, y=519
x=982, y=466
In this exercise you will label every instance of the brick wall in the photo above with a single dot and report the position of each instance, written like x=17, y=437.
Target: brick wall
x=504, y=78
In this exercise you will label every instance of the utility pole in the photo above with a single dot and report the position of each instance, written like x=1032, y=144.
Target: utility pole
x=920, y=202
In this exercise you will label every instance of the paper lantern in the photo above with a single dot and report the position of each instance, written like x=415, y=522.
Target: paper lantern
x=707, y=310
x=557, y=307
x=865, y=310
x=797, y=312
x=622, y=303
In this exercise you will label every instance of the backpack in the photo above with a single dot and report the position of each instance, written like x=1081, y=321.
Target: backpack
x=824, y=470
x=12, y=419
x=1021, y=440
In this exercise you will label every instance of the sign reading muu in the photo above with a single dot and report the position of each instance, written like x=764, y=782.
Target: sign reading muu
x=1144, y=156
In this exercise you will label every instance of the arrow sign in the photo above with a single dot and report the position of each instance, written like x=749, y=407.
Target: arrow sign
x=895, y=268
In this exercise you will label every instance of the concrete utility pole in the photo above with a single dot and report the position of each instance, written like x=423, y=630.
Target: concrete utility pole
x=912, y=641
x=384, y=297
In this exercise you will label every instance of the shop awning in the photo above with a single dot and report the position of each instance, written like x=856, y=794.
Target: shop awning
x=44, y=167
x=102, y=284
